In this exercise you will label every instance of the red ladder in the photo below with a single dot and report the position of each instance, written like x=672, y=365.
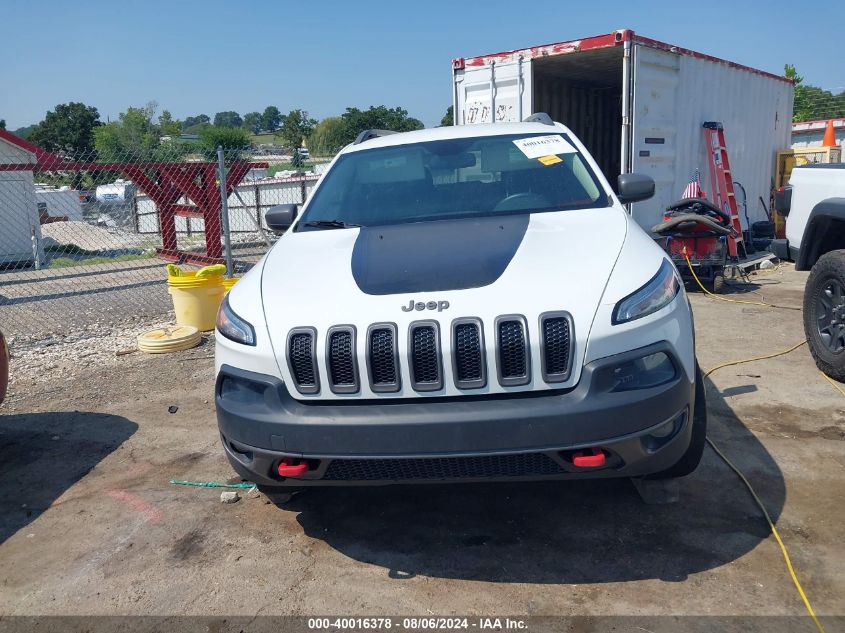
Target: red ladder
x=721, y=183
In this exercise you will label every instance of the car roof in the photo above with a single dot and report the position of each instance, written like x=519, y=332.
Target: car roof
x=456, y=131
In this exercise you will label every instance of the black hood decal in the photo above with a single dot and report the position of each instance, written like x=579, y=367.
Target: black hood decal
x=441, y=255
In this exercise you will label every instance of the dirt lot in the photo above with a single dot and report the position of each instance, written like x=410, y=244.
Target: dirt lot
x=90, y=524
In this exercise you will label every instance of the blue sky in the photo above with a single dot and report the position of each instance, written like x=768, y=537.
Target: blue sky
x=324, y=55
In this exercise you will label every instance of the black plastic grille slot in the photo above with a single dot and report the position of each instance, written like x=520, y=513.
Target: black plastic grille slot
x=512, y=351
x=522, y=465
x=556, y=342
x=340, y=358
x=426, y=374
x=302, y=361
x=468, y=354
x=382, y=359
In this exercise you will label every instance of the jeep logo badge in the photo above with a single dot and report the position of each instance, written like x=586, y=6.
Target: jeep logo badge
x=431, y=305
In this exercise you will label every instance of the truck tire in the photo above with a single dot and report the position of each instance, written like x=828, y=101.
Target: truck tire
x=824, y=313
x=690, y=460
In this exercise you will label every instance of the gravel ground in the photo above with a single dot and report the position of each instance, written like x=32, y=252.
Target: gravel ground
x=95, y=238
x=90, y=525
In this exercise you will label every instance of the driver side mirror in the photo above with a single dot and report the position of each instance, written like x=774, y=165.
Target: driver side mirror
x=280, y=217
x=634, y=188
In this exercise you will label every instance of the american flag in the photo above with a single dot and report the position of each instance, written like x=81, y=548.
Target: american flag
x=693, y=189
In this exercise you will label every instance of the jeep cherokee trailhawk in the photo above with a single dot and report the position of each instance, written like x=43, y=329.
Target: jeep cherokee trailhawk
x=465, y=303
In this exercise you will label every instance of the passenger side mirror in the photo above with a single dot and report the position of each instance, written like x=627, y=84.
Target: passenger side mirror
x=634, y=188
x=280, y=217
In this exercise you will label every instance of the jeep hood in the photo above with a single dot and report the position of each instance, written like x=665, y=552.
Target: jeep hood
x=483, y=267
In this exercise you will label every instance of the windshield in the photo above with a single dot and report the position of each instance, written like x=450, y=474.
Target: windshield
x=454, y=178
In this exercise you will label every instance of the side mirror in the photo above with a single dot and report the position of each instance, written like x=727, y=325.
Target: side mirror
x=280, y=217
x=634, y=188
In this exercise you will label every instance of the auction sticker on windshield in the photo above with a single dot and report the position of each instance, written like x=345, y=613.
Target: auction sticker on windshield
x=537, y=146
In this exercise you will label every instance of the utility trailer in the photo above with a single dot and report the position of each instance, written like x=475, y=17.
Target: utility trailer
x=638, y=105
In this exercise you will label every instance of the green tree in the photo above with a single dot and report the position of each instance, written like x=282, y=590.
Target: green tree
x=68, y=129
x=377, y=118
x=24, y=132
x=271, y=119
x=296, y=128
x=135, y=138
x=813, y=103
x=168, y=125
x=327, y=137
x=233, y=141
x=229, y=118
x=449, y=117
x=195, y=124
x=252, y=122
x=2, y=124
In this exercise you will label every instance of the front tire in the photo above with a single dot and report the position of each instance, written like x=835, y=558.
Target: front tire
x=692, y=457
x=824, y=314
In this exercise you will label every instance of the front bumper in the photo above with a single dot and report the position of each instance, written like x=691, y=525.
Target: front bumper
x=527, y=435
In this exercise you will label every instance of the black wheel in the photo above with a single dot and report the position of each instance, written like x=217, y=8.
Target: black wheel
x=278, y=496
x=824, y=313
x=764, y=229
x=716, y=285
x=690, y=460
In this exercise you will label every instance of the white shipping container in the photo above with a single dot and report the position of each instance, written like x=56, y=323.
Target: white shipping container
x=638, y=105
x=20, y=229
x=60, y=202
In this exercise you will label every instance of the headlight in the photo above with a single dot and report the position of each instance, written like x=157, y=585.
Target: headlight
x=234, y=327
x=656, y=294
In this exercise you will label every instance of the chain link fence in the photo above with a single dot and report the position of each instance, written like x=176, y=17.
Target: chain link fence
x=84, y=240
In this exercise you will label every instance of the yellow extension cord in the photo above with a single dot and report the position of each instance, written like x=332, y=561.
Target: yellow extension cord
x=736, y=470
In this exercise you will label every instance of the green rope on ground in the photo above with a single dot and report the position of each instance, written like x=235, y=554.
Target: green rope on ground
x=210, y=484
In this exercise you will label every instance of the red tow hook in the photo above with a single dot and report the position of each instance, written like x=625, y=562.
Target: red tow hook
x=591, y=458
x=291, y=468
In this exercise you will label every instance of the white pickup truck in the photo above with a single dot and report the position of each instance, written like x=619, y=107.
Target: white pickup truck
x=814, y=205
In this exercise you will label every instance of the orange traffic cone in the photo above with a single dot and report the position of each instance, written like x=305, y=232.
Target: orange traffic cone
x=829, y=135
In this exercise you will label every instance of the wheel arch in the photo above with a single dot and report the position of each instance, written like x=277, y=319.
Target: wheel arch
x=825, y=232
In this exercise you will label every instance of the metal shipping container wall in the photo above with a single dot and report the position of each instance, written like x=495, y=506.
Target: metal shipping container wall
x=673, y=95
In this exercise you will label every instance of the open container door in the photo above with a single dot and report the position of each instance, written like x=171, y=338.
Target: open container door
x=492, y=93
x=654, y=129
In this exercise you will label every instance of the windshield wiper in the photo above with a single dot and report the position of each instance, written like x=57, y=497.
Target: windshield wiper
x=331, y=224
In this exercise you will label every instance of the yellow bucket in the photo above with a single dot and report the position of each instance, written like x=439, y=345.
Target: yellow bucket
x=228, y=282
x=196, y=299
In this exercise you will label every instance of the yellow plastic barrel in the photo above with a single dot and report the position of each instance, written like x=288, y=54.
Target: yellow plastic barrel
x=228, y=282
x=196, y=299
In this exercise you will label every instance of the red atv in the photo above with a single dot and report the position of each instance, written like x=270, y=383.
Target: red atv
x=696, y=233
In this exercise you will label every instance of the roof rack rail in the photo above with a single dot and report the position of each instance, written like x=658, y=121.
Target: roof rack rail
x=366, y=135
x=539, y=117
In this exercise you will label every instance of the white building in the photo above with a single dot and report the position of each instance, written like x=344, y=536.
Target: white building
x=811, y=133
x=20, y=229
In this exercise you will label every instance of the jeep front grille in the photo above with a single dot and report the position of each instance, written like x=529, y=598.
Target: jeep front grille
x=512, y=352
x=424, y=356
x=383, y=358
x=302, y=360
x=469, y=356
x=341, y=359
x=555, y=342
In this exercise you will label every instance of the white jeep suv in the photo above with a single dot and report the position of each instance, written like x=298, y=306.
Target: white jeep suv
x=466, y=303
